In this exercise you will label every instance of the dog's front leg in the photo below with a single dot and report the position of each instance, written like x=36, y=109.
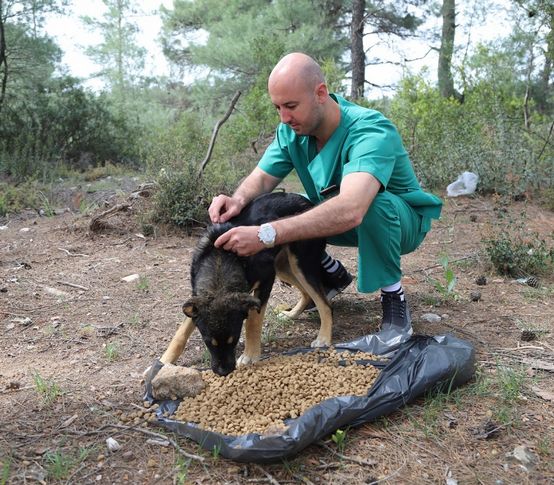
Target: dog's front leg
x=253, y=337
x=178, y=342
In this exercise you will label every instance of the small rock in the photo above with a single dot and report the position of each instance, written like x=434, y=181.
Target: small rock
x=24, y=229
x=174, y=382
x=112, y=444
x=23, y=321
x=523, y=455
x=151, y=463
x=431, y=317
x=128, y=456
x=3, y=228
x=130, y=278
x=475, y=296
x=56, y=292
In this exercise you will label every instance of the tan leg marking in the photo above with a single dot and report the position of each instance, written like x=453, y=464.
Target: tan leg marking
x=178, y=342
x=252, y=337
x=295, y=276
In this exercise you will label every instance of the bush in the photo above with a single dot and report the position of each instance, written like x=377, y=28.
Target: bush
x=484, y=135
x=183, y=198
x=518, y=256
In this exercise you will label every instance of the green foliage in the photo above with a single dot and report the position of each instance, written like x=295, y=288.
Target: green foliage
x=122, y=60
x=184, y=142
x=59, y=464
x=5, y=471
x=47, y=389
x=446, y=289
x=111, y=351
x=339, y=438
x=183, y=198
x=519, y=255
x=484, y=135
x=245, y=39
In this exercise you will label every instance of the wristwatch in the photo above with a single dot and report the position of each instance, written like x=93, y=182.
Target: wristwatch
x=267, y=235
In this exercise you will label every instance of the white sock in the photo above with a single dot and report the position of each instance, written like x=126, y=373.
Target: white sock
x=329, y=264
x=392, y=288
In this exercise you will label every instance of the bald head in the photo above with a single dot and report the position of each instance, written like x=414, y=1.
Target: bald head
x=297, y=90
x=298, y=70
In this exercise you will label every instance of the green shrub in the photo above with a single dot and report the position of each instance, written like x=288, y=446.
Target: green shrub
x=484, y=134
x=14, y=198
x=183, y=198
x=518, y=256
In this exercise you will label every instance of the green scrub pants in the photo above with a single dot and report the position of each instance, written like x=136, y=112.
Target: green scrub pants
x=389, y=229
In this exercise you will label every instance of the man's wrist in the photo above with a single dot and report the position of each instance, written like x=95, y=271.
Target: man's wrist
x=267, y=235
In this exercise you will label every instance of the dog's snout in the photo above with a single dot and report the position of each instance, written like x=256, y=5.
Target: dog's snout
x=223, y=369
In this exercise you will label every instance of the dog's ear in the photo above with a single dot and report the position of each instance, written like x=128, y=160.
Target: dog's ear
x=190, y=307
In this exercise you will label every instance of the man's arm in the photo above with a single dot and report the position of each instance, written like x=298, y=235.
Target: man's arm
x=334, y=216
x=224, y=207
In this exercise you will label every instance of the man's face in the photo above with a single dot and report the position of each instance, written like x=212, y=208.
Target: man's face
x=298, y=107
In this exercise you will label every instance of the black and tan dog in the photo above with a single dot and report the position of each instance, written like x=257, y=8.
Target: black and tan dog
x=228, y=290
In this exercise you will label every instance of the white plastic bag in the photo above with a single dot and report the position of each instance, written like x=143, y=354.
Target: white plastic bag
x=465, y=184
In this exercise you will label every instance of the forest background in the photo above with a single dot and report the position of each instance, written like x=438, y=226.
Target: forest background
x=486, y=106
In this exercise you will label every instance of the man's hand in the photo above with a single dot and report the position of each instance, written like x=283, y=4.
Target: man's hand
x=241, y=240
x=224, y=208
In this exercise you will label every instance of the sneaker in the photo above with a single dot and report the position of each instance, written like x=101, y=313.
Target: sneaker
x=333, y=284
x=396, y=312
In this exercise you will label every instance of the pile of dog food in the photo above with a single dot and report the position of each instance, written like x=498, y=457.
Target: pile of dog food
x=257, y=398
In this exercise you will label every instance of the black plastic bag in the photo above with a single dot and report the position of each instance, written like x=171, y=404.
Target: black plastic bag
x=417, y=365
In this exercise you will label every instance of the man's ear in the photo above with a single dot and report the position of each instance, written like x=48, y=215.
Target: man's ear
x=321, y=92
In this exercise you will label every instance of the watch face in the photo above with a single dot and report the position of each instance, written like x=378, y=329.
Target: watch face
x=267, y=234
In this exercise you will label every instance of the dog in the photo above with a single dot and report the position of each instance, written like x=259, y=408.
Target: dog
x=229, y=290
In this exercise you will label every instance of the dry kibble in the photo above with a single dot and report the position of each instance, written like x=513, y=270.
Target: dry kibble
x=258, y=398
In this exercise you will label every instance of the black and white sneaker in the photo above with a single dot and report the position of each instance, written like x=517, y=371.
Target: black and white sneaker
x=333, y=284
x=396, y=313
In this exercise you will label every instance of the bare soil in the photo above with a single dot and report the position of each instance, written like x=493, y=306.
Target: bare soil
x=75, y=340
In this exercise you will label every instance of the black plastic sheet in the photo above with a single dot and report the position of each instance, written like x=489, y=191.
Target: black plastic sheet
x=415, y=366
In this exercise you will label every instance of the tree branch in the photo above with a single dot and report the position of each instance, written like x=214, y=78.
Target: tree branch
x=216, y=130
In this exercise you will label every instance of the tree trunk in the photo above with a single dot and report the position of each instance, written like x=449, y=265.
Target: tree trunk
x=357, y=49
x=3, y=60
x=546, y=73
x=446, y=82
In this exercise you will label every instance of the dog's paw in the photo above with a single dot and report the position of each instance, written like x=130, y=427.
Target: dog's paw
x=246, y=360
x=320, y=342
x=291, y=314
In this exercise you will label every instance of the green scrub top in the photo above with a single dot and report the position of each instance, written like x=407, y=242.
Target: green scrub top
x=364, y=141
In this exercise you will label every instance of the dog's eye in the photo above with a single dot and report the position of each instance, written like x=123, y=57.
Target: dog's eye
x=214, y=342
x=230, y=340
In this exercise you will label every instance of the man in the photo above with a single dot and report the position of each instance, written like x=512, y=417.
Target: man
x=353, y=165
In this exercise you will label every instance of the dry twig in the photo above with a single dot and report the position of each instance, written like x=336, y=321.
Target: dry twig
x=216, y=130
x=267, y=474
x=348, y=458
x=73, y=285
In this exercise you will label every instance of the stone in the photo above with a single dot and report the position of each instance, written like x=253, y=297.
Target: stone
x=130, y=278
x=431, y=317
x=176, y=382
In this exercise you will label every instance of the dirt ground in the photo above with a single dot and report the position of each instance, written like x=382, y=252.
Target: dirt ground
x=75, y=339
